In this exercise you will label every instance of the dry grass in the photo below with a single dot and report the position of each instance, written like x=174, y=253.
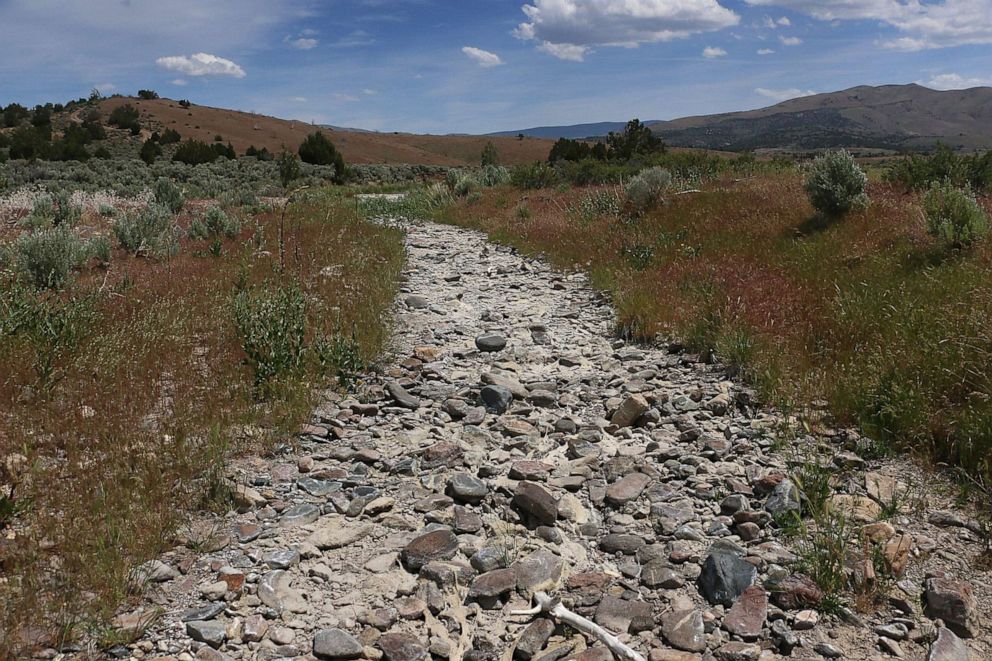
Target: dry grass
x=867, y=313
x=204, y=123
x=127, y=393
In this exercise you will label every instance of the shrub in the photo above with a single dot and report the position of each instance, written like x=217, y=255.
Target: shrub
x=169, y=137
x=125, y=117
x=493, y=175
x=150, y=231
x=47, y=257
x=99, y=248
x=490, y=155
x=64, y=211
x=194, y=152
x=836, y=184
x=647, y=188
x=635, y=139
x=150, y=150
x=271, y=325
x=317, y=149
x=538, y=175
x=214, y=223
x=147, y=95
x=289, y=168
x=167, y=194
x=465, y=185
x=953, y=216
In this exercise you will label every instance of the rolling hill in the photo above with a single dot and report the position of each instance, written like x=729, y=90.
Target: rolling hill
x=888, y=117
x=244, y=129
x=574, y=131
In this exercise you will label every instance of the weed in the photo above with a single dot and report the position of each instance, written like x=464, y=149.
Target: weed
x=270, y=323
x=953, y=216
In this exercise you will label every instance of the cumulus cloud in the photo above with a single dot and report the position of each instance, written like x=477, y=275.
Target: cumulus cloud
x=304, y=43
x=937, y=24
x=569, y=29
x=711, y=52
x=765, y=51
x=482, y=57
x=790, y=41
x=179, y=82
x=783, y=95
x=954, y=81
x=105, y=88
x=201, y=64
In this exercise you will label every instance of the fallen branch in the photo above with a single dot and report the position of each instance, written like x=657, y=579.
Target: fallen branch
x=688, y=191
x=554, y=608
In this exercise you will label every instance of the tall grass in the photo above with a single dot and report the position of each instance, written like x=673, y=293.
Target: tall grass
x=868, y=312
x=126, y=392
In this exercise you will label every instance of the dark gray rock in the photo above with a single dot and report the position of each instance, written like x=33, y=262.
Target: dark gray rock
x=784, y=501
x=401, y=396
x=211, y=632
x=402, y=647
x=948, y=647
x=534, y=638
x=467, y=488
x=952, y=601
x=536, y=502
x=490, y=342
x=496, y=399
x=725, y=576
x=336, y=644
x=684, y=630
x=438, y=544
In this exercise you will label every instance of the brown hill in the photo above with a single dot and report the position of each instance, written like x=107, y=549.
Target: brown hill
x=889, y=116
x=243, y=129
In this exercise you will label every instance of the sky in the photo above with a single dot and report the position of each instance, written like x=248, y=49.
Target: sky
x=477, y=66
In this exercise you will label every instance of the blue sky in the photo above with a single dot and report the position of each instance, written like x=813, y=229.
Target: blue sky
x=476, y=66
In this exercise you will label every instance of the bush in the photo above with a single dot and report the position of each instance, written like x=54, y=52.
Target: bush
x=493, y=175
x=214, y=223
x=953, y=216
x=99, y=248
x=538, y=175
x=836, y=184
x=644, y=190
x=147, y=95
x=194, y=152
x=47, y=257
x=167, y=194
x=169, y=137
x=317, y=149
x=150, y=150
x=271, y=325
x=125, y=117
x=490, y=155
x=64, y=211
x=150, y=231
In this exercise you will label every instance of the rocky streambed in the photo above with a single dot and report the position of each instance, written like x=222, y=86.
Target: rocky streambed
x=514, y=445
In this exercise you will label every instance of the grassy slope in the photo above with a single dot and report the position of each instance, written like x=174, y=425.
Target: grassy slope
x=204, y=123
x=148, y=391
x=865, y=313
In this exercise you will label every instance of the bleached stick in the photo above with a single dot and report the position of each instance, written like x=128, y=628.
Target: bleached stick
x=554, y=608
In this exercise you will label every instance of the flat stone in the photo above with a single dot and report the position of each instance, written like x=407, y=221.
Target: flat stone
x=534, y=638
x=632, y=408
x=684, y=630
x=539, y=571
x=467, y=488
x=516, y=427
x=299, y=515
x=415, y=302
x=401, y=396
x=797, y=591
x=493, y=584
x=336, y=532
x=211, y=632
x=208, y=612
x=336, y=644
x=621, y=543
x=620, y=615
x=438, y=544
x=659, y=574
x=948, y=647
x=318, y=488
x=738, y=651
x=402, y=647
x=537, y=502
x=747, y=616
x=275, y=591
x=534, y=471
x=490, y=342
x=860, y=509
x=952, y=601
x=784, y=501
x=254, y=628
x=627, y=489
x=725, y=576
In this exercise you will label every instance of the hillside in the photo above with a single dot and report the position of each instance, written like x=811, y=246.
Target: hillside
x=889, y=116
x=243, y=129
x=574, y=131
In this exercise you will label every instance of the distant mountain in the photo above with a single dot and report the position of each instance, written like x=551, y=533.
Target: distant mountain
x=888, y=117
x=575, y=131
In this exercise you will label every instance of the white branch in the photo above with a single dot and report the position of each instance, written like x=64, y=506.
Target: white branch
x=554, y=608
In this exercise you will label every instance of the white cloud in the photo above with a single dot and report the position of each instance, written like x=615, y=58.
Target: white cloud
x=180, y=82
x=938, y=24
x=201, y=64
x=783, y=21
x=105, y=88
x=765, y=51
x=711, y=52
x=783, y=95
x=568, y=29
x=953, y=81
x=369, y=92
x=298, y=99
x=304, y=43
x=790, y=41
x=342, y=96
x=482, y=57
x=569, y=52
